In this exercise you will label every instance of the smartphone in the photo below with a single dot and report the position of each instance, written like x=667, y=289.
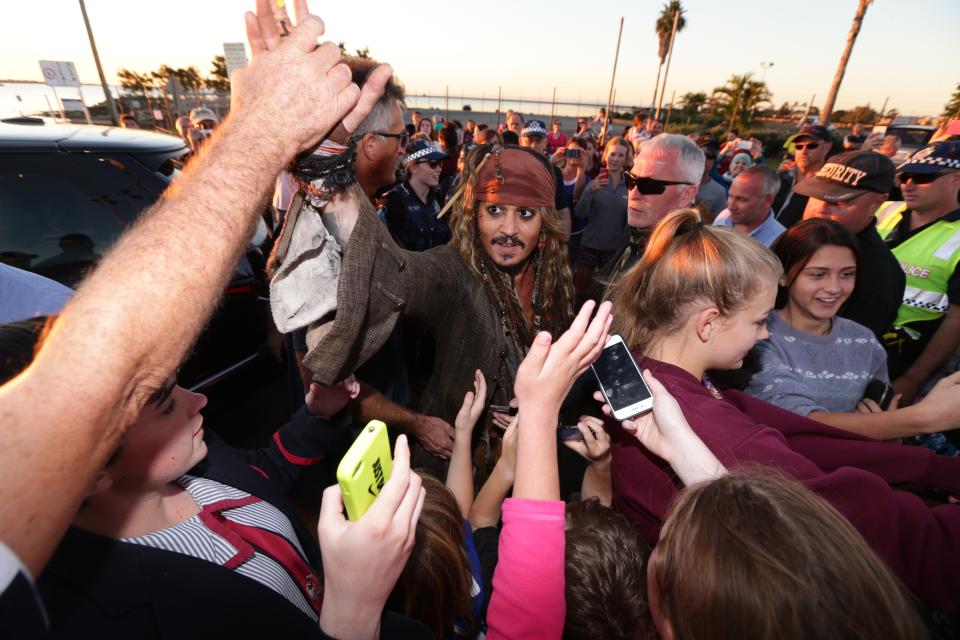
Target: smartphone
x=571, y=153
x=365, y=469
x=880, y=392
x=620, y=380
x=567, y=432
x=744, y=145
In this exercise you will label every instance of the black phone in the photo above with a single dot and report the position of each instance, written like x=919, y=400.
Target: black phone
x=567, y=432
x=620, y=381
x=880, y=392
x=571, y=153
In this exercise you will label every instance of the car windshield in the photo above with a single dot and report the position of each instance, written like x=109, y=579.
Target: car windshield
x=60, y=212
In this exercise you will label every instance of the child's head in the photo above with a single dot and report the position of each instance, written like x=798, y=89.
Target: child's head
x=605, y=577
x=715, y=285
x=740, y=162
x=820, y=262
x=435, y=585
x=757, y=555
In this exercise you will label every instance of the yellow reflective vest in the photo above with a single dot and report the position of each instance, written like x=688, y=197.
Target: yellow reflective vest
x=928, y=259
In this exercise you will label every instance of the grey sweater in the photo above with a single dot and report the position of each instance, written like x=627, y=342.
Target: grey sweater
x=606, y=213
x=802, y=373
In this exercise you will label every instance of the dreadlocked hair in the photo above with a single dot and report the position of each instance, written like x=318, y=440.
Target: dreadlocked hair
x=553, y=282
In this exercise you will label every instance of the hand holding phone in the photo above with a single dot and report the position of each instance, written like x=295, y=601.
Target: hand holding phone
x=365, y=469
x=666, y=433
x=571, y=153
x=362, y=560
x=593, y=441
x=620, y=380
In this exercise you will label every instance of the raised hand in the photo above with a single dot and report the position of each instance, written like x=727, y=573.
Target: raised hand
x=362, y=560
x=472, y=408
x=547, y=373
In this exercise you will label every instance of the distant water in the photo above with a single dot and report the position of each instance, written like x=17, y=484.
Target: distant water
x=29, y=98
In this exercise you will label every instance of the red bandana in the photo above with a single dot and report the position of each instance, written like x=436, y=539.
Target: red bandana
x=516, y=177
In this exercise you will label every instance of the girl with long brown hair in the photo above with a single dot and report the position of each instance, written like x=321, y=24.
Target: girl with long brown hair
x=698, y=300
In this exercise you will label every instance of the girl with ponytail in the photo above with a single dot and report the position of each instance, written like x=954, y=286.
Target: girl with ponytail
x=697, y=300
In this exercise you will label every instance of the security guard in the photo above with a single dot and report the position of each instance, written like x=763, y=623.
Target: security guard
x=924, y=235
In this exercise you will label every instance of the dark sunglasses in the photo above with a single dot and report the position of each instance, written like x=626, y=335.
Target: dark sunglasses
x=800, y=146
x=403, y=138
x=648, y=186
x=434, y=164
x=919, y=178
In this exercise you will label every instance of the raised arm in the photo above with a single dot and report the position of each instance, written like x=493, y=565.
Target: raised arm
x=528, y=599
x=133, y=319
x=460, y=471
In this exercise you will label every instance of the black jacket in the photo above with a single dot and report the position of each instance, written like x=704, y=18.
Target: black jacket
x=103, y=588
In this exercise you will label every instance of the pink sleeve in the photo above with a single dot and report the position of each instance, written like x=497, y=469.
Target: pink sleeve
x=528, y=583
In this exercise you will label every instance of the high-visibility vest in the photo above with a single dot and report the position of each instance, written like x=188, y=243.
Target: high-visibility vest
x=928, y=259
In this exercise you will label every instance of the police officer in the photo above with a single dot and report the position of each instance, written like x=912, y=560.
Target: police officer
x=924, y=234
x=412, y=206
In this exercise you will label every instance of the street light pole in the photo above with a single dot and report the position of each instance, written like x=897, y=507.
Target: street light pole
x=96, y=58
x=763, y=70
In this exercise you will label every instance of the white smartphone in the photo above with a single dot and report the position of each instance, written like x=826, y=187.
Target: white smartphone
x=620, y=380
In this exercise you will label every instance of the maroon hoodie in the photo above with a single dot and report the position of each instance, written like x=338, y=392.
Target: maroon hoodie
x=855, y=474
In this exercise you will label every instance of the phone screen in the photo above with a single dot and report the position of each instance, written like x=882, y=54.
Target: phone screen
x=619, y=377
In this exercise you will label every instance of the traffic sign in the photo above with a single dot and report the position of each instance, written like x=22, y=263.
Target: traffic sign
x=235, y=53
x=59, y=74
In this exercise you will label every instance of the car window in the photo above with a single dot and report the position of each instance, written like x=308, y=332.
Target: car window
x=911, y=137
x=60, y=212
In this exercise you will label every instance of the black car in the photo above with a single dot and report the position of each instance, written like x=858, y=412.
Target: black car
x=68, y=191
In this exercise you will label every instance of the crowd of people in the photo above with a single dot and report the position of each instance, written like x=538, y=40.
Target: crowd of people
x=798, y=329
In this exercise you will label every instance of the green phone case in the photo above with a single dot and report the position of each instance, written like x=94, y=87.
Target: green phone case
x=365, y=469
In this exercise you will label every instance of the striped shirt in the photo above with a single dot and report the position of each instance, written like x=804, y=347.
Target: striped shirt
x=192, y=538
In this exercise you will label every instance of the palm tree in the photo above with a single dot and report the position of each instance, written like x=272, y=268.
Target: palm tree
x=218, y=79
x=740, y=97
x=692, y=102
x=842, y=69
x=131, y=80
x=664, y=28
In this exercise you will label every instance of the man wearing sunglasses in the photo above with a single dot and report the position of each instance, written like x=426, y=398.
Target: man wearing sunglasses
x=811, y=146
x=925, y=237
x=665, y=177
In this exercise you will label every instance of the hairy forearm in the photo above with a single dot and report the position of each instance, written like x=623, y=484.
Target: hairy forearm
x=888, y=425
x=597, y=483
x=147, y=300
x=460, y=473
x=370, y=404
x=942, y=345
x=486, y=508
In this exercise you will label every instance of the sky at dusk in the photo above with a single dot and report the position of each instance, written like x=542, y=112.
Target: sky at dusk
x=906, y=50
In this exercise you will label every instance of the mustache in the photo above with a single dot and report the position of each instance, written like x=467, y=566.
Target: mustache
x=514, y=239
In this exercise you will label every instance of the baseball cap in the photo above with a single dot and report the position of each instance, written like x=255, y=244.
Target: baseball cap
x=534, y=128
x=422, y=150
x=809, y=131
x=199, y=114
x=847, y=175
x=933, y=158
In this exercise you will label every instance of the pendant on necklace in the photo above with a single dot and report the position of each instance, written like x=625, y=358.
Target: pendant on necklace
x=712, y=388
